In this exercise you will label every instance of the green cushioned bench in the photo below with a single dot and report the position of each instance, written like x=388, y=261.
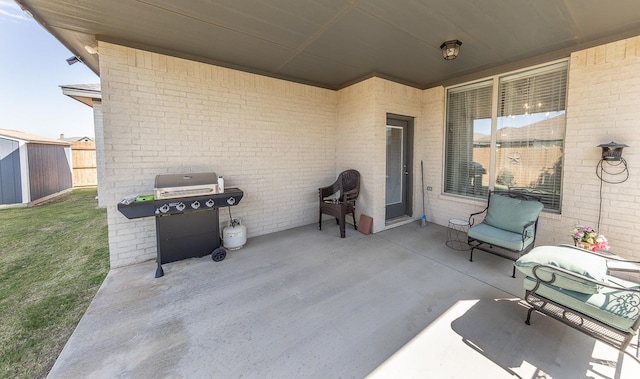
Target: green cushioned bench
x=573, y=286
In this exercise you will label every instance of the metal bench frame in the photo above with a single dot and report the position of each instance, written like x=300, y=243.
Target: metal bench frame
x=477, y=244
x=619, y=339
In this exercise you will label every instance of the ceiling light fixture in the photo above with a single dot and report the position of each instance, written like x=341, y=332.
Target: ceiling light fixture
x=450, y=49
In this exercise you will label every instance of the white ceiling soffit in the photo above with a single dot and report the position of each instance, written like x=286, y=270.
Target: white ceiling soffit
x=334, y=43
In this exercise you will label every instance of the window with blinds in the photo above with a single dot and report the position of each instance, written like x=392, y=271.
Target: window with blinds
x=520, y=146
x=468, y=126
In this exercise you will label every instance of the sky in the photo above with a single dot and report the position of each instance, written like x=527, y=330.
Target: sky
x=483, y=125
x=32, y=68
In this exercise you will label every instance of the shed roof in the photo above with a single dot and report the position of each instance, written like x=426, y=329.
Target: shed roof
x=31, y=138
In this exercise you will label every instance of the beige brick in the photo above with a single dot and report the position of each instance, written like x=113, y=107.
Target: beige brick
x=272, y=138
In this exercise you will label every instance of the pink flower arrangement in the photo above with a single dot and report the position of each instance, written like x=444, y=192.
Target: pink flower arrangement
x=587, y=238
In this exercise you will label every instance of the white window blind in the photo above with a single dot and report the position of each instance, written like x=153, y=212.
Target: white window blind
x=468, y=124
x=530, y=132
x=528, y=139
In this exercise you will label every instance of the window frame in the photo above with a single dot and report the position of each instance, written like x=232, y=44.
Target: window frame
x=494, y=111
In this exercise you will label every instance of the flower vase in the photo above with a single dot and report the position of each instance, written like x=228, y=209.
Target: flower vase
x=583, y=245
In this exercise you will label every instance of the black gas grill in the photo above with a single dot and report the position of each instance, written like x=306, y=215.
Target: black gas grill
x=185, y=207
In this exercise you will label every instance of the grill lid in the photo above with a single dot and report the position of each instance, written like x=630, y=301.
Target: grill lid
x=185, y=185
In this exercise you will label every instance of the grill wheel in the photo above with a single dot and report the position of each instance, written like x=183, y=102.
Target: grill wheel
x=218, y=254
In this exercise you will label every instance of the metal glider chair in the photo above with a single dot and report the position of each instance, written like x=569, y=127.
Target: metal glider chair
x=509, y=226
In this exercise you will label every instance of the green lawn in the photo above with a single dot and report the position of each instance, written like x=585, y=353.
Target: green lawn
x=53, y=259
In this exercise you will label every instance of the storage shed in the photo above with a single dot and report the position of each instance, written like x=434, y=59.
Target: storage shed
x=33, y=169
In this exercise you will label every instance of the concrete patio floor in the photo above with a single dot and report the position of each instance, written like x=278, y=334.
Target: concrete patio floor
x=306, y=303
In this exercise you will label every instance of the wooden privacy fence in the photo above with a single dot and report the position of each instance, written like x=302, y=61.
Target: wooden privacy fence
x=83, y=157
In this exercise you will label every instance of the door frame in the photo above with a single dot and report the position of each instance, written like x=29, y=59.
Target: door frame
x=408, y=162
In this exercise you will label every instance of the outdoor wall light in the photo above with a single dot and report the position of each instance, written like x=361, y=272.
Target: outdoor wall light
x=612, y=151
x=73, y=60
x=611, y=169
x=615, y=170
x=93, y=50
x=450, y=49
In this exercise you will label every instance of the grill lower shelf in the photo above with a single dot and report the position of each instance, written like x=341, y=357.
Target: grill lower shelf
x=188, y=235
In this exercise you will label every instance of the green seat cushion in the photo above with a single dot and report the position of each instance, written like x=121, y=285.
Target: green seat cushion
x=499, y=237
x=617, y=308
x=511, y=214
x=588, y=265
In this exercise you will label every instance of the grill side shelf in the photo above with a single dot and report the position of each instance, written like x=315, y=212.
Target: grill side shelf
x=139, y=209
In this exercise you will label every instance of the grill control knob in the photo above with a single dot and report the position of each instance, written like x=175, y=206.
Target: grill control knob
x=163, y=209
x=195, y=204
x=231, y=200
x=209, y=203
x=180, y=206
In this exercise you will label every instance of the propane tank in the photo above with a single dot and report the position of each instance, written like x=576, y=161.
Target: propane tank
x=234, y=236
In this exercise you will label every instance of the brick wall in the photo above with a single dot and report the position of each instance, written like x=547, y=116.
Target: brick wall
x=280, y=141
x=274, y=139
x=361, y=138
x=356, y=145
x=401, y=100
x=603, y=99
x=100, y=159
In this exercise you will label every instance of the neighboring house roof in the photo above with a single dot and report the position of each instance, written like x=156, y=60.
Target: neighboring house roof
x=538, y=131
x=75, y=139
x=31, y=138
x=84, y=93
